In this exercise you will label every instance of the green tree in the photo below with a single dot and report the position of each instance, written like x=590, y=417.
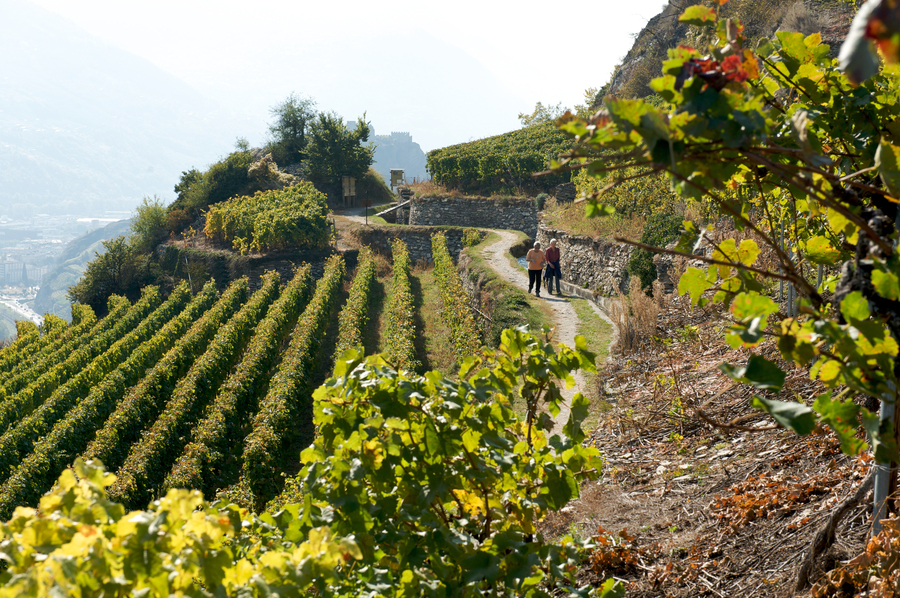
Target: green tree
x=288, y=133
x=120, y=270
x=542, y=114
x=148, y=224
x=783, y=138
x=197, y=190
x=334, y=151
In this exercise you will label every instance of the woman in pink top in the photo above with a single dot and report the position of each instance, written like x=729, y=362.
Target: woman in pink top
x=536, y=261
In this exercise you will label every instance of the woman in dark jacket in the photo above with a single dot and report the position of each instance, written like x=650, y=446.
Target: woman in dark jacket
x=552, y=256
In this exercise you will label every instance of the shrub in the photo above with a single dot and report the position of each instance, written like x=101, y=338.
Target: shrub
x=661, y=228
x=223, y=180
x=148, y=225
x=471, y=237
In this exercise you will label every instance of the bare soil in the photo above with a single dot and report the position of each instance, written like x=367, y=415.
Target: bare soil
x=689, y=508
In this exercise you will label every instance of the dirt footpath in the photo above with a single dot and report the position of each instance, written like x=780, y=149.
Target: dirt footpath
x=565, y=320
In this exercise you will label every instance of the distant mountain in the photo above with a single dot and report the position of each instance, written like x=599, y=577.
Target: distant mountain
x=51, y=298
x=86, y=127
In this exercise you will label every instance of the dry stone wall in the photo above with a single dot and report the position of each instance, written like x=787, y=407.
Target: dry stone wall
x=417, y=239
x=598, y=265
x=509, y=214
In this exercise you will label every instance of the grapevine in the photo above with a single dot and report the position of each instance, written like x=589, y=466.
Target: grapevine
x=401, y=331
x=290, y=389
x=355, y=314
x=457, y=313
x=19, y=439
x=150, y=459
x=506, y=160
x=142, y=404
x=57, y=350
x=70, y=435
x=111, y=329
x=214, y=438
x=291, y=217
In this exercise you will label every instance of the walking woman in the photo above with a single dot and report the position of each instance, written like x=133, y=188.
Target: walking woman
x=553, y=271
x=536, y=261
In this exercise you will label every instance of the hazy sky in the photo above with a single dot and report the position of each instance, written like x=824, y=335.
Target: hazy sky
x=249, y=56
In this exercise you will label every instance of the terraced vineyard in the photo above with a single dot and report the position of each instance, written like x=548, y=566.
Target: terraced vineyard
x=211, y=391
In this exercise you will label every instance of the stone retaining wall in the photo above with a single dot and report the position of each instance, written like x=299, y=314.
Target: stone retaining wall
x=509, y=214
x=598, y=265
x=417, y=239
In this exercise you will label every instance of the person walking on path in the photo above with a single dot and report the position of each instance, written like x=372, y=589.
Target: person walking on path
x=536, y=261
x=553, y=271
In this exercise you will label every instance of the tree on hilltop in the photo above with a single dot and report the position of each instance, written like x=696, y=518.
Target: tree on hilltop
x=289, y=131
x=334, y=151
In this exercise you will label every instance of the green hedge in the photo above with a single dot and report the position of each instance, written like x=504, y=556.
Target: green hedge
x=501, y=162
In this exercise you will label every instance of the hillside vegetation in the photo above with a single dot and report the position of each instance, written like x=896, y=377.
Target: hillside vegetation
x=503, y=163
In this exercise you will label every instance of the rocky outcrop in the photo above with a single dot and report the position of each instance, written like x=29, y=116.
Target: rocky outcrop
x=565, y=192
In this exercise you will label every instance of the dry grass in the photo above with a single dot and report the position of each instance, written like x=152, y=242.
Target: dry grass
x=434, y=347
x=570, y=217
x=799, y=17
x=635, y=317
x=430, y=189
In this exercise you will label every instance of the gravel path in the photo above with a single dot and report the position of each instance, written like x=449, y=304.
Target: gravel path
x=565, y=320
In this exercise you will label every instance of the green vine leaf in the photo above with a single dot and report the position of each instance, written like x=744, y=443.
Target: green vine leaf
x=793, y=416
x=759, y=373
x=887, y=161
x=698, y=15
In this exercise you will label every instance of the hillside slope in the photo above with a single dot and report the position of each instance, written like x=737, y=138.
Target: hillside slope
x=761, y=18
